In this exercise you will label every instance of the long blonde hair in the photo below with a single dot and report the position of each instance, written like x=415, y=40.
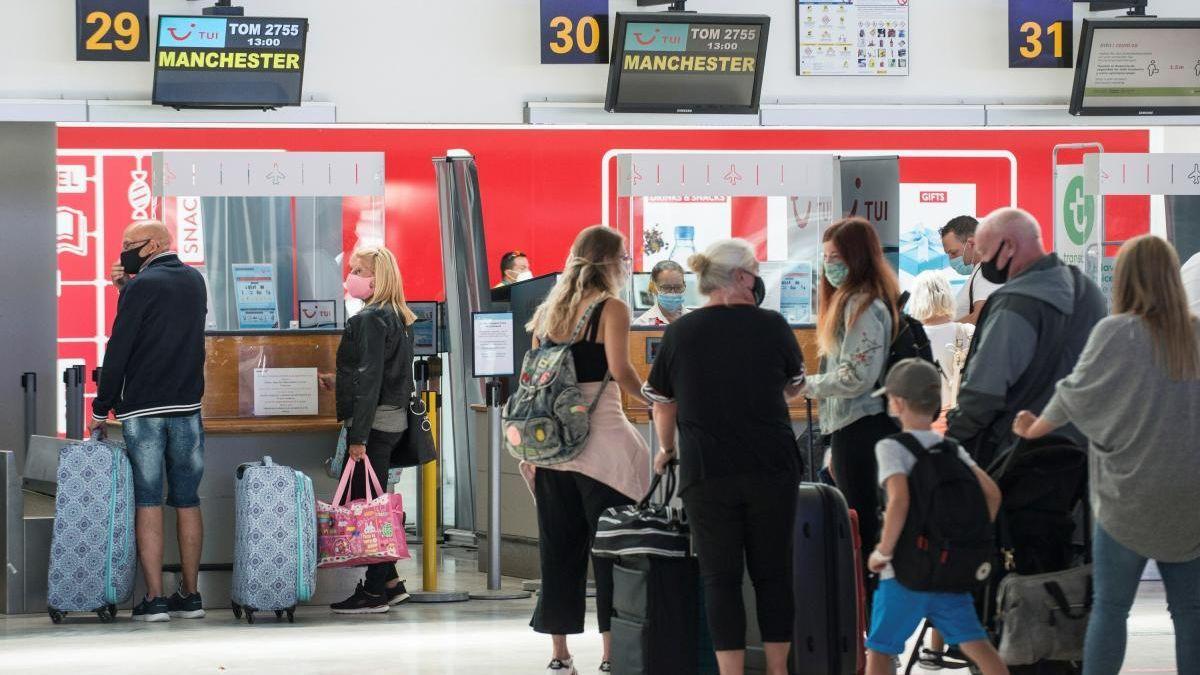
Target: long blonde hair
x=1147, y=284
x=389, y=285
x=592, y=269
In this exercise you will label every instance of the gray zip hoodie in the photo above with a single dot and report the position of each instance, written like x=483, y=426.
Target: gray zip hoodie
x=1031, y=333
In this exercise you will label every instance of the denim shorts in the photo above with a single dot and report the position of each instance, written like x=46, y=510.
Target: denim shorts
x=173, y=446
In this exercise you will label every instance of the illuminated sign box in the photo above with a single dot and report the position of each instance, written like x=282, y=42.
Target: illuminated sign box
x=687, y=63
x=229, y=62
x=1138, y=67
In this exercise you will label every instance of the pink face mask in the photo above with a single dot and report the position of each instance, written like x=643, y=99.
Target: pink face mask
x=360, y=287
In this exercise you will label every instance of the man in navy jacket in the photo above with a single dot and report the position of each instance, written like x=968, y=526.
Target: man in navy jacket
x=153, y=382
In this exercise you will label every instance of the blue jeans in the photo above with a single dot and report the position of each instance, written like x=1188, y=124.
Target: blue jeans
x=1118, y=571
x=177, y=443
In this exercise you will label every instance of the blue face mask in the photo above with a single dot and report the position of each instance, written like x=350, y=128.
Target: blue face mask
x=836, y=272
x=961, y=267
x=671, y=303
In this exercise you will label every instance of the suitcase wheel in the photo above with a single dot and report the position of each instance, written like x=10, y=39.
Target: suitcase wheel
x=237, y=611
x=112, y=610
x=291, y=613
x=55, y=615
x=249, y=616
x=279, y=615
x=104, y=616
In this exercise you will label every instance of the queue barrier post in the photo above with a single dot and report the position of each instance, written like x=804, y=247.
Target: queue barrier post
x=430, y=525
x=494, y=590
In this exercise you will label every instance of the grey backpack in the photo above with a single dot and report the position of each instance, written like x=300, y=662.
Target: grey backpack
x=546, y=421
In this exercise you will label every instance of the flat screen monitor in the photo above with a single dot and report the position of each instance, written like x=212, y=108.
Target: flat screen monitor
x=687, y=63
x=229, y=61
x=1138, y=67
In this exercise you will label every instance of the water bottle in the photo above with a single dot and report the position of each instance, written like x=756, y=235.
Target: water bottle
x=685, y=244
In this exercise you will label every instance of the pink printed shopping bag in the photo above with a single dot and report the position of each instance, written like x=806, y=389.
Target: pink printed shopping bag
x=365, y=531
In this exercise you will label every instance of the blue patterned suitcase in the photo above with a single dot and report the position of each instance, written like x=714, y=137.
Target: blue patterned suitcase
x=93, y=557
x=275, y=547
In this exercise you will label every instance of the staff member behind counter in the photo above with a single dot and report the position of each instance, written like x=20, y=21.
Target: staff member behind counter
x=667, y=286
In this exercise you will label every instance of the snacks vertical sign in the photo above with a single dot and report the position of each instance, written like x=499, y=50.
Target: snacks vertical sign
x=112, y=30
x=574, y=31
x=1040, y=33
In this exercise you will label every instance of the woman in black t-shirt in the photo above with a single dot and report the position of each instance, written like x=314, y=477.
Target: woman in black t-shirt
x=722, y=378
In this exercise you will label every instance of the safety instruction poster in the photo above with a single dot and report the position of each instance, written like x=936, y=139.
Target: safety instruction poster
x=254, y=289
x=852, y=37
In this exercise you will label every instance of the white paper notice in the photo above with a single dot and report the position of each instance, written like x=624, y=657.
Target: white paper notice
x=285, y=391
x=852, y=37
x=494, y=353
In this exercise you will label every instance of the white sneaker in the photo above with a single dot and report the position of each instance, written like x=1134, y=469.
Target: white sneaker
x=560, y=667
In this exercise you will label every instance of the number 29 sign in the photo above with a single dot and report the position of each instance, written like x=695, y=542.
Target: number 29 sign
x=112, y=30
x=1040, y=33
x=574, y=31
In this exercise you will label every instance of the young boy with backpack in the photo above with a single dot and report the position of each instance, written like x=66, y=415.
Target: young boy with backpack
x=936, y=545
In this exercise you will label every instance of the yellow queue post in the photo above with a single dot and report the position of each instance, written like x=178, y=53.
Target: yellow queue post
x=431, y=485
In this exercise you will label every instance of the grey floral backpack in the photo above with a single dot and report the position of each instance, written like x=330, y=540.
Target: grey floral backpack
x=547, y=421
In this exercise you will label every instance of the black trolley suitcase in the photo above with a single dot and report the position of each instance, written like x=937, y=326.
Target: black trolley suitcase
x=824, y=573
x=658, y=625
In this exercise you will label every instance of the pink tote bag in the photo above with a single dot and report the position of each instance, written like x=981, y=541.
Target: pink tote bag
x=364, y=531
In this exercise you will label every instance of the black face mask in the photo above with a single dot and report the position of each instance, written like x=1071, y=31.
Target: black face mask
x=759, y=291
x=991, y=272
x=131, y=261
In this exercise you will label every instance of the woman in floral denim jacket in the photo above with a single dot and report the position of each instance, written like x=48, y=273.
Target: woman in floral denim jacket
x=859, y=291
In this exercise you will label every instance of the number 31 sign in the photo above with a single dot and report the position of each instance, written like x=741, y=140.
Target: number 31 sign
x=1040, y=33
x=112, y=30
x=574, y=31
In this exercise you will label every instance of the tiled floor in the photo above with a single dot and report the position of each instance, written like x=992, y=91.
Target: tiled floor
x=471, y=637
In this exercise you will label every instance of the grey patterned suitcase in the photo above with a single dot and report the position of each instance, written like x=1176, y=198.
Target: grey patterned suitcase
x=275, y=547
x=93, y=557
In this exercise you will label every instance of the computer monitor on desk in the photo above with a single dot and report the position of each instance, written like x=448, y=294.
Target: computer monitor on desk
x=524, y=297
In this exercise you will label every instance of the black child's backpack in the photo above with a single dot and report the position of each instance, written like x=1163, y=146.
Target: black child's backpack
x=947, y=544
x=911, y=341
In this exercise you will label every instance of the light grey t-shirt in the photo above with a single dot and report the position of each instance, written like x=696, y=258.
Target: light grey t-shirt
x=895, y=459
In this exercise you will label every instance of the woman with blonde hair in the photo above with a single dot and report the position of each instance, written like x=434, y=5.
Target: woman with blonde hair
x=855, y=328
x=932, y=303
x=721, y=379
x=612, y=469
x=1135, y=393
x=374, y=383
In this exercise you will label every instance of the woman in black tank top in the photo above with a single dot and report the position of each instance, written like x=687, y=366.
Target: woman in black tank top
x=612, y=469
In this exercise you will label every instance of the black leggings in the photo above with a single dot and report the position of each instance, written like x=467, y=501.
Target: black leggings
x=739, y=522
x=379, y=450
x=857, y=473
x=569, y=505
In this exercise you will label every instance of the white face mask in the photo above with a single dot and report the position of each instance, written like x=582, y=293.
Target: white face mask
x=525, y=276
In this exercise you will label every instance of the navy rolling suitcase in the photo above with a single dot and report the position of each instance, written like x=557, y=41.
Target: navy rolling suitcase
x=828, y=640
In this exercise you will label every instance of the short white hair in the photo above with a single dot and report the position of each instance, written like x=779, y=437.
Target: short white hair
x=931, y=296
x=717, y=265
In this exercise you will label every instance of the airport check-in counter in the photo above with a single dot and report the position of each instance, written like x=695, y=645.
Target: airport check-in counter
x=234, y=435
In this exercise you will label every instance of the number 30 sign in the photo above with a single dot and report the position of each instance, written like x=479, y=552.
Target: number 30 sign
x=574, y=31
x=1040, y=33
x=112, y=30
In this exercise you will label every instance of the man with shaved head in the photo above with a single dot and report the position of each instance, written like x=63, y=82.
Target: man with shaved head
x=1031, y=332
x=152, y=381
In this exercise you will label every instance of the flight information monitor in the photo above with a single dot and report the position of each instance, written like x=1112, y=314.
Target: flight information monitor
x=687, y=63
x=229, y=61
x=1138, y=67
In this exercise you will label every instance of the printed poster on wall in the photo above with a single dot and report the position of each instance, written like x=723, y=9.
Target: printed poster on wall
x=852, y=37
x=254, y=289
x=926, y=208
x=1077, y=226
